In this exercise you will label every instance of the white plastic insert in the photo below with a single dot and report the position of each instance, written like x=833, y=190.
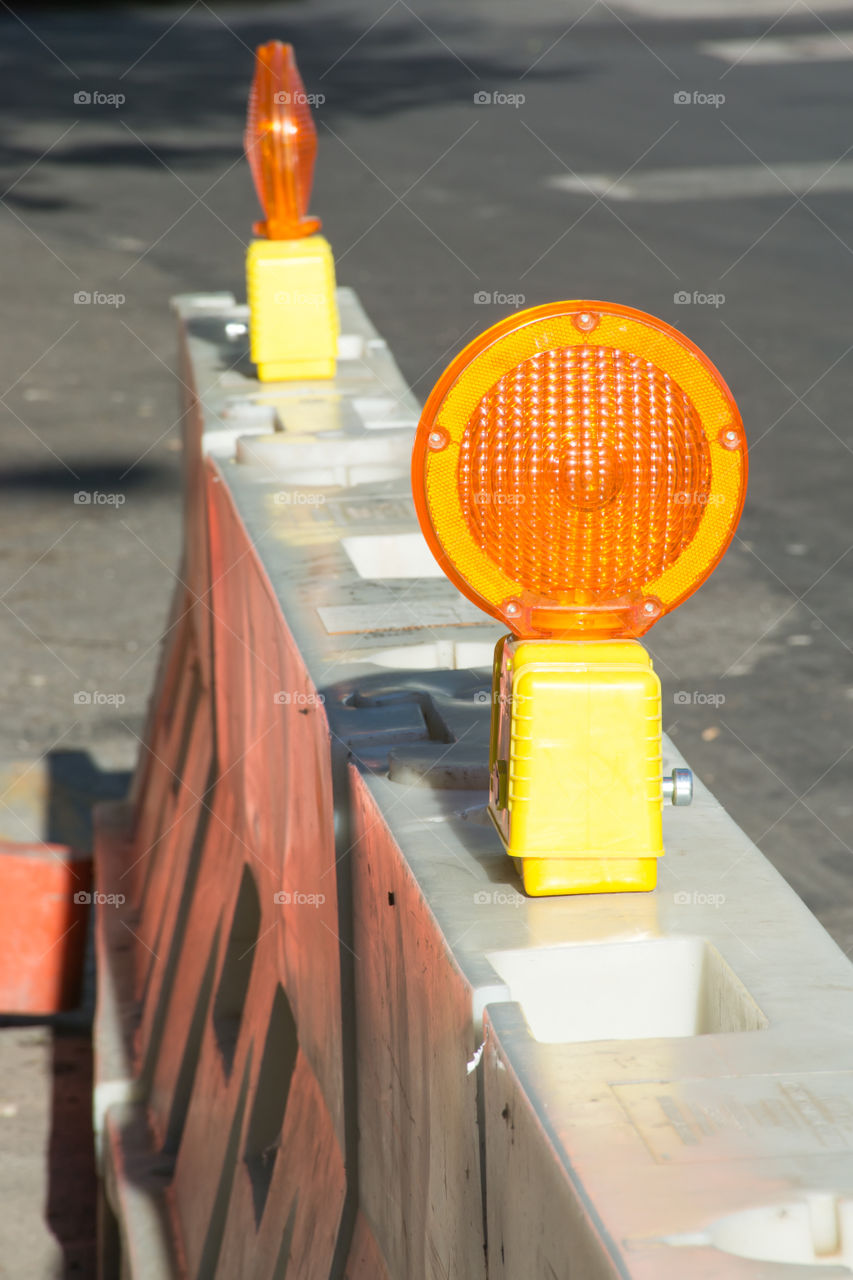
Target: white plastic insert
x=350, y=346
x=452, y=655
x=815, y=1231
x=382, y=413
x=392, y=555
x=662, y=987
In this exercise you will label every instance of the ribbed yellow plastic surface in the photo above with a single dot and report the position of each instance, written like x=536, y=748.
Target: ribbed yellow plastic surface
x=576, y=764
x=293, y=318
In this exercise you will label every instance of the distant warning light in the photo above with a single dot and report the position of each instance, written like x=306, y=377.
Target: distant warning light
x=290, y=270
x=281, y=144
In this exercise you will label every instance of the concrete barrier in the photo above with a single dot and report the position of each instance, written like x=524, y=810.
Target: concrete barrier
x=334, y=1038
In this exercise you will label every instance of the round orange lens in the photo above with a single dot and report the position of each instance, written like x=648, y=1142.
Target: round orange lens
x=580, y=468
x=281, y=144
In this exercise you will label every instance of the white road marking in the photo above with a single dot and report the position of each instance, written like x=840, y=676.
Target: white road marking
x=713, y=182
x=687, y=10
x=823, y=46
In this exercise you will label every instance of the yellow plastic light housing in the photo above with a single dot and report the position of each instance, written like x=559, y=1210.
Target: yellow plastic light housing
x=575, y=764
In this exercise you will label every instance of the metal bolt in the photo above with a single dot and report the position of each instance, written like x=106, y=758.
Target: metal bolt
x=678, y=787
x=586, y=321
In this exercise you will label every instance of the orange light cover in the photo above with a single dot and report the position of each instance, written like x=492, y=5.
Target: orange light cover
x=579, y=470
x=281, y=144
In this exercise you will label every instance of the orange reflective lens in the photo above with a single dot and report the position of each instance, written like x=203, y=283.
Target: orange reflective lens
x=579, y=469
x=281, y=144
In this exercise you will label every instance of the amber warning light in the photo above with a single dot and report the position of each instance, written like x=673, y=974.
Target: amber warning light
x=579, y=470
x=290, y=270
x=281, y=144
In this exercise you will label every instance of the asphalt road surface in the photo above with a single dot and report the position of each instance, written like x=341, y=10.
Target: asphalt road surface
x=694, y=160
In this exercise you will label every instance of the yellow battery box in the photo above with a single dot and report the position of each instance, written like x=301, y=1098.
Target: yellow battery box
x=293, y=317
x=575, y=764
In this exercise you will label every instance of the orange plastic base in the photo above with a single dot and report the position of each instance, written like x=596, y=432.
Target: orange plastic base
x=543, y=877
